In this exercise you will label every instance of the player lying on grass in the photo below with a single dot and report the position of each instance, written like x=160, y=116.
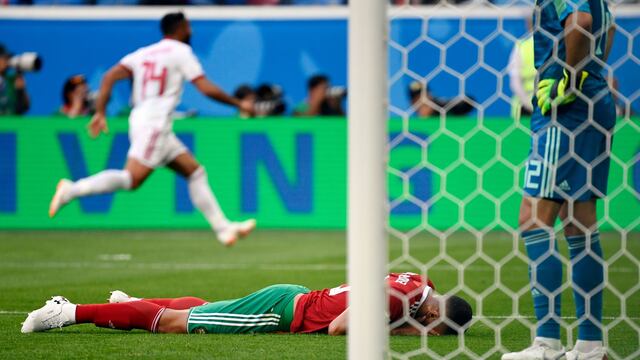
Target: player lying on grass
x=414, y=308
x=157, y=73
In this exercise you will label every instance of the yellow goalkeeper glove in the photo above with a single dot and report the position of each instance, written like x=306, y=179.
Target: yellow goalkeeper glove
x=554, y=92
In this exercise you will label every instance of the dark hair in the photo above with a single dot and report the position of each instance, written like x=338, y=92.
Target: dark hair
x=458, y=311
x=170, y=22
x=317, y=80
x=70, y=85
x=243, y=91
x=4, y=52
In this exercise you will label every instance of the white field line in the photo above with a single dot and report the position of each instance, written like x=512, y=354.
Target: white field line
x=222, y=266
x=498, y=317
x=16, y=312
x=12, y=312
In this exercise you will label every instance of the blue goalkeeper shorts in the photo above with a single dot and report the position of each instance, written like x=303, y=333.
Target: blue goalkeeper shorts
x=569, y=156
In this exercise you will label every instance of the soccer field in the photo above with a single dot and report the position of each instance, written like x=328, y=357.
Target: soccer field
x=84, y=266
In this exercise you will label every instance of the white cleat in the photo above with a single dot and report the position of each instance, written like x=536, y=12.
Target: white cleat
x=246, y=227
x=235, y=230
x=57, y=202
x=118, y=297
x=229, y=235
x=599, y=353
x=56, y=313
x=537, y=351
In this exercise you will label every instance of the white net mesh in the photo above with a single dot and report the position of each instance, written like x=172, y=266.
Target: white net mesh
x=458, y=151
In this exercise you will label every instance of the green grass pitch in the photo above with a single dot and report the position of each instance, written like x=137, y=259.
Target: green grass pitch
x=84, y=266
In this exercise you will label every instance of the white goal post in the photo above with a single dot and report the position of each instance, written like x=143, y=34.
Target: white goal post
x=367, y=138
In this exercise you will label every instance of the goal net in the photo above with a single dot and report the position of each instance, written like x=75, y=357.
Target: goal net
x=457, y=149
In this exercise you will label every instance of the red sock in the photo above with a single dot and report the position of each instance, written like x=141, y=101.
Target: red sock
x=182, y=303
x=123, y=316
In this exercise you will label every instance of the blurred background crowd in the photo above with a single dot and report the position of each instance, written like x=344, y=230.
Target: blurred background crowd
x=438, y=66
x=258, y=2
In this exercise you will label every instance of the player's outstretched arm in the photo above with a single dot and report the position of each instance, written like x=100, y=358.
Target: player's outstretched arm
x=339, y=325
x=210, y=90
x=98, y=123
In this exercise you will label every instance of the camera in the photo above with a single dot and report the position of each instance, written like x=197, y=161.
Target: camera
x=269, y=100
x=337, y=92
x=26, y=62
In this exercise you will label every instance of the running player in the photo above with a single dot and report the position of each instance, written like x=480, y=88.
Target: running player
x=158, y=73
x=567, y=170
x=277, y=308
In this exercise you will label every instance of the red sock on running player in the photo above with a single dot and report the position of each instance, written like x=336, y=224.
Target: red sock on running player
x=123, y=316
x=182, y=303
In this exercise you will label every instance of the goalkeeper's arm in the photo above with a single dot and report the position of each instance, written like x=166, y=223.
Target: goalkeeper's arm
x=555, y=92
x=577, y=43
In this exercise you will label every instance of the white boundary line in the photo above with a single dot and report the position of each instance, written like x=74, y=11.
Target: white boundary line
x=502, y=317
x=496, y=317
x=220, y=266
x=264, y=13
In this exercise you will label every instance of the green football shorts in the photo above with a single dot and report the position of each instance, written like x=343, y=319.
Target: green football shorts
x=266, y=310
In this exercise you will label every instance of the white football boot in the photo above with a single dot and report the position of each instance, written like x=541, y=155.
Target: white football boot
x=599, y=353
x=538, y=351
x=59, y=198
x=235, y=230
x=246, y=227
x=118, y=297
x=56, y=313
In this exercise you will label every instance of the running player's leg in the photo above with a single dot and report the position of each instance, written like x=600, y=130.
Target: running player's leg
x=204, y=199
x=107, y=181
x=200, y=192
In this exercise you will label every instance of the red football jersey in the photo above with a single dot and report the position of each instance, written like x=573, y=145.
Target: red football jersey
x=317, y=309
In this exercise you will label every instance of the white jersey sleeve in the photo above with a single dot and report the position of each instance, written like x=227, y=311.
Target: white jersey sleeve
x=190, y=66
x=128, y=61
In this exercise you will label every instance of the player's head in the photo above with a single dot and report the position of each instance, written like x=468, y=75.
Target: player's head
x=176, y=26
x=76, y=83
x=457, y=311
x=436, y=309
x=4, y=59
x=318, y=81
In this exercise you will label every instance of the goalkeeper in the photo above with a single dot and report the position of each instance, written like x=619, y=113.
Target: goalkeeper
x=567, y=170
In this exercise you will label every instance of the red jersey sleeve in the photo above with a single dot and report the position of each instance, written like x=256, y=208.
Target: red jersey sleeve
x=407, y=291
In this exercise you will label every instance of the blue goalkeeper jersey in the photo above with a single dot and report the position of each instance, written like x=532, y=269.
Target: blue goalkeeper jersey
x=552, y=15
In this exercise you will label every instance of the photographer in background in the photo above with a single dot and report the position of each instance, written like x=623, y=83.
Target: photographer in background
x=267, y=100
x=244, y=92
x=77, y=100
x=427, y=105
x=14, y=99
x=322, y=99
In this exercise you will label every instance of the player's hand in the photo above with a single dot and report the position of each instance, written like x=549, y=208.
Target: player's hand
x=97, y=125
x=247, y=107
x=555, y=92
x=19, y=83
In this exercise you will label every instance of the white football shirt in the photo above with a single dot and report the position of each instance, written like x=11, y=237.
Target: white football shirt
x=158, y=74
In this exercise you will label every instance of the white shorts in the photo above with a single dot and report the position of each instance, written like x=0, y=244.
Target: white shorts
x=154, y=147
